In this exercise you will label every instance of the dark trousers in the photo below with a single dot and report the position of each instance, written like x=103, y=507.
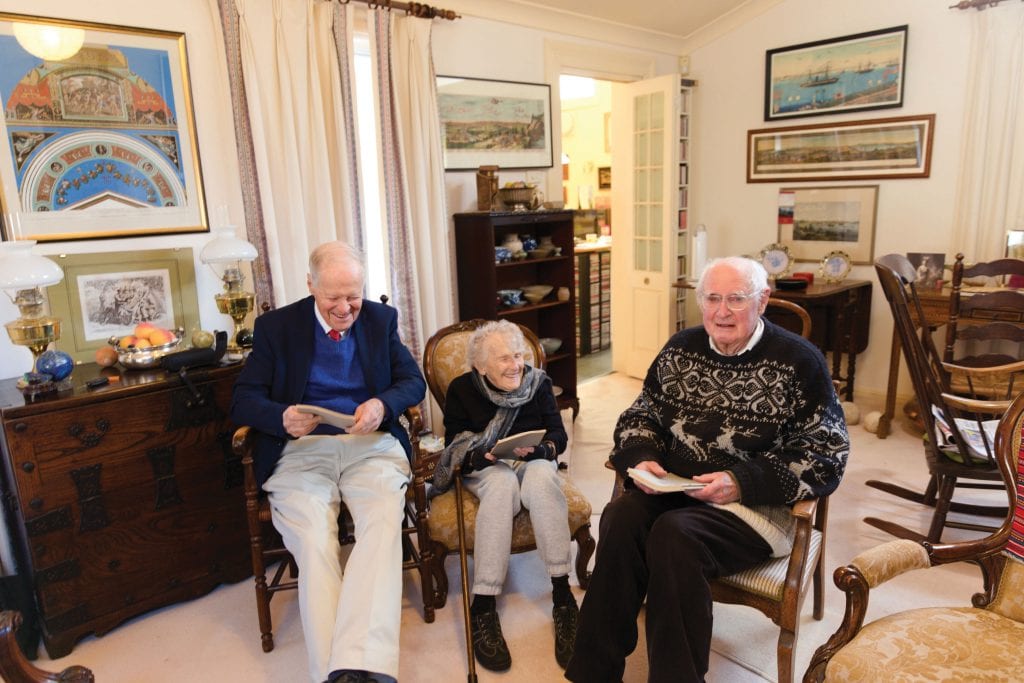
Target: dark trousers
x=665, y=548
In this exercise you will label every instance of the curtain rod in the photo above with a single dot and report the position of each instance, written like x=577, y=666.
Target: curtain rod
x=416, y=9
x=976, y=4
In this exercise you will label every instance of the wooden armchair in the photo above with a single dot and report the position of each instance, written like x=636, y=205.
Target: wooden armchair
x=952, y=463
x=980, y=642
x=444, y=359
x=15, y=668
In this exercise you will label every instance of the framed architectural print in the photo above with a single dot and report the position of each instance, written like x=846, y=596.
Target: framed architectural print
x=99, y=141
x=838, y=75
x=897, y=147
x=817, y=221
x=504, y=123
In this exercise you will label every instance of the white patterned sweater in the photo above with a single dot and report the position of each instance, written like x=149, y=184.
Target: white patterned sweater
x=769, y=416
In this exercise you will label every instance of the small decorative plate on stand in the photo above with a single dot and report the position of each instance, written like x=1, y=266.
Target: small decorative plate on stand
x=835, y=266
x=777, y=260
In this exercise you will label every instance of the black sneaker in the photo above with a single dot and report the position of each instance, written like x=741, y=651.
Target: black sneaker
x=565, y=617
x=489, y=644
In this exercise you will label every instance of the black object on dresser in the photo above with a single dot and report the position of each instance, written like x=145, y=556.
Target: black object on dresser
x=480, y=278
x=122, y=498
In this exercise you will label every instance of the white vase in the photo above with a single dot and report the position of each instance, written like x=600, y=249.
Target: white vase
x=512, y=243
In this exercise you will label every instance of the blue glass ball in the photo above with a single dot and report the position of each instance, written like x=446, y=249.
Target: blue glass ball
x=55, y=363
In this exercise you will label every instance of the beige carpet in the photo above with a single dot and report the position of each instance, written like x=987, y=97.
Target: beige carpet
x=216, y=638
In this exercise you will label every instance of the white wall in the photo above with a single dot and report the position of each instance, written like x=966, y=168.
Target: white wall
x=913, y=214
x=215, y=135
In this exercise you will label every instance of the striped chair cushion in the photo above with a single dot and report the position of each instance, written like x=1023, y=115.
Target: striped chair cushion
x=767, y=579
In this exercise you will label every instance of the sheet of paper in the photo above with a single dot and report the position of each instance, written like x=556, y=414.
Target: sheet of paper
x=331, y=417
x=667, y=484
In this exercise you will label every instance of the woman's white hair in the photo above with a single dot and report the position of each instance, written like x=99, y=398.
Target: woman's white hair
x=752, y=271
x=509, y=331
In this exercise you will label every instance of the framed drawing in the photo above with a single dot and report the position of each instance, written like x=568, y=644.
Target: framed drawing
x=101, y=143
x=897, y=147
x=604, y=177
x=494, y=122
x=814, y=221
x=839, y=75
x=104, y=295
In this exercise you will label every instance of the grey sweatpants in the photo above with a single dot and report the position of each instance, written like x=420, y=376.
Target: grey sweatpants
x=503, y=489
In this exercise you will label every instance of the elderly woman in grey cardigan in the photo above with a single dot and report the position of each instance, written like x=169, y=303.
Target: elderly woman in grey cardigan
x=499, y=397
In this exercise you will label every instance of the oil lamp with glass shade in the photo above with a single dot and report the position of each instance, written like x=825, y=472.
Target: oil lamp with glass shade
x=22, y=275
x=225, y=254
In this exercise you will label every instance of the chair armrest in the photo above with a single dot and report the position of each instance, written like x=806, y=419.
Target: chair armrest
x=14, y=667
x=888, y=560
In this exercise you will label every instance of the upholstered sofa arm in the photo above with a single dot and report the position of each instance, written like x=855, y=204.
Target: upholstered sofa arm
x=889, y=560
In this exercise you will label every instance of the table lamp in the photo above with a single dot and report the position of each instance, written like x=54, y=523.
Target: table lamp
x=225, y=254
x=22, y=275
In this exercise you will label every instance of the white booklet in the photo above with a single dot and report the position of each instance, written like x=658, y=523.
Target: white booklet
x=331, y=417
x=667, y=484
x=505, y=447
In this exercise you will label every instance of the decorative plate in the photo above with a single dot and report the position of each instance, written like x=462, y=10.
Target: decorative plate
x=835, y=266
x=776, y=259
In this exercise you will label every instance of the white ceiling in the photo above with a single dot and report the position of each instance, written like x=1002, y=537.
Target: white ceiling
x=670, y=26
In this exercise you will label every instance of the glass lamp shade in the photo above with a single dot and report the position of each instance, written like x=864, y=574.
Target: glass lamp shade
x=22, y=275
x=21, y=269
x=48, y=41
x=225, y=253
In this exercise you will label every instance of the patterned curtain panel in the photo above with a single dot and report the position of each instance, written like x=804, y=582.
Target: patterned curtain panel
x=989, y=201
x=291, y=92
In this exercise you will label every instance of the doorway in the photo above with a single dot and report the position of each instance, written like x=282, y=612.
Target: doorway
x=586, y=189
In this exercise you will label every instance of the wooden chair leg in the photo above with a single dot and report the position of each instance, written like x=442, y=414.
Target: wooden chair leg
x=584, y=551
x=787, y=643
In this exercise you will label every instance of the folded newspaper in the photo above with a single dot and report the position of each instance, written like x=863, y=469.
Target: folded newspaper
x=331, y=417
x=667, y=484
x=981, y=443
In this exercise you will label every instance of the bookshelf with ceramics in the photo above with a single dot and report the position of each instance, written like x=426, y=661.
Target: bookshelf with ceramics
x=684, y=264
x=481, y=277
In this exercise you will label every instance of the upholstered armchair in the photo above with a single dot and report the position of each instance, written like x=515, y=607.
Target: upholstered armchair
x=980, y=642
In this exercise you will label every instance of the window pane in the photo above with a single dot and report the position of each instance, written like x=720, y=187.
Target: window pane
x=640, y=153
x=655, y=178
x=655, y=220
x=657, y=140
x=639, y=254
x=640, y=181
x=640, y=219
x=657, y=110
x=655, y=256
x=641, y=107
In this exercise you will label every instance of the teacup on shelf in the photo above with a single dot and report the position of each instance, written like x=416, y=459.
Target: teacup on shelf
x=510, y=297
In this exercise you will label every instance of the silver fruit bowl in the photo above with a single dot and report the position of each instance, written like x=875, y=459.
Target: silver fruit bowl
x=135, y=358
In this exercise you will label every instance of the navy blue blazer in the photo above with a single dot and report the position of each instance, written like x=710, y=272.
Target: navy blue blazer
x=276, y=371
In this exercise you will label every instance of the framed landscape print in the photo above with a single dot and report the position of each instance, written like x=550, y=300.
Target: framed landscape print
x=897, y=147
x=487, y=122
x=101, y=143
x=838, y=75
x=814, y=221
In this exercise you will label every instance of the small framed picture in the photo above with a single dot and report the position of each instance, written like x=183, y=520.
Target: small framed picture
x=604, y=177
x=930, y=269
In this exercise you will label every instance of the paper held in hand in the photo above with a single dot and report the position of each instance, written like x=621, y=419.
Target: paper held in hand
x=505, y=447
x=328, y=416
x=667, y=484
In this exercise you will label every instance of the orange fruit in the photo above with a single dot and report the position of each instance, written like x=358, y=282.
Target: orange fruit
x=106, y=356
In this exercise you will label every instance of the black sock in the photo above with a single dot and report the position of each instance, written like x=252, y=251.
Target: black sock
x=561, y=594
x=482, y=603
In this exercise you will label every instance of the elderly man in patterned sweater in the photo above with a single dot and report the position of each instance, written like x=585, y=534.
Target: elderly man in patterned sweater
x=748, y=409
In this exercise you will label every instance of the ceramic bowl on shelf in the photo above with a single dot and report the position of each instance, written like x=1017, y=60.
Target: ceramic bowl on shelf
x=511, y=297
x=539, y=252
x=535, y=293
x=550, y=344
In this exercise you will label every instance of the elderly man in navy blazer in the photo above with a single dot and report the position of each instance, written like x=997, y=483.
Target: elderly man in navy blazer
x=335, y=350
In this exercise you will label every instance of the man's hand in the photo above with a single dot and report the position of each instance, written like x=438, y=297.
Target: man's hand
x=721, y=488
x=369, y=415
x=299, y=424
x=655, y=469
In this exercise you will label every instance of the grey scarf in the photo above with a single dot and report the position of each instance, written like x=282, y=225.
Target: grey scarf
x=508, y=403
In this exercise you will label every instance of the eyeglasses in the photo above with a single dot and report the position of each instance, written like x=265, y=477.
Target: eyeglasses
x=734, y=302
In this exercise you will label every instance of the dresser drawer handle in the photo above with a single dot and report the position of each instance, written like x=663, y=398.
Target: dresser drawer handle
x=35, y=503
x=28, y=466
x=20, y=427
x=90, y=439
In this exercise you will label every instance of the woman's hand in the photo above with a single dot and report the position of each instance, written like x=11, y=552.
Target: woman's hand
x=478, y=460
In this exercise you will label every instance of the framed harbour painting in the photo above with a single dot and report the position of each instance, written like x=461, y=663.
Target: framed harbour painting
x=501, y=123
x=897, y=147
x=838, y=75
x=815, y=221
x=99, y=141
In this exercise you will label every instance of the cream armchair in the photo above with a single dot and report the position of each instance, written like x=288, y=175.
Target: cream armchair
x=976, y=643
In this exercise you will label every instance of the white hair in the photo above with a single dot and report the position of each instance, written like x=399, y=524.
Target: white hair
x=752, y=271
x=513, y=336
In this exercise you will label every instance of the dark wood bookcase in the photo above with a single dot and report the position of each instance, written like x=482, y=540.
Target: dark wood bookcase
x=480, y=278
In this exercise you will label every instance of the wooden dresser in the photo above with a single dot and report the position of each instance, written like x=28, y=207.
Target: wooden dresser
x=123, y=498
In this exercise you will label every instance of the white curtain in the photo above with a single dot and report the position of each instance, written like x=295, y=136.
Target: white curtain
x=301, y=147
x=990, y=200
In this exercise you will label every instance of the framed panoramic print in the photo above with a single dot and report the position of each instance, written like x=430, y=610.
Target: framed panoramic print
x=897, y=147
x=100, y=142
x=839, y=75
x=816, y=221
x=107, y=294
x=504, y=123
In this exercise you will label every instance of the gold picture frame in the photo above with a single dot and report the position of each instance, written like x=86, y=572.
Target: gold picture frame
x=104, y=295
x=101, y=143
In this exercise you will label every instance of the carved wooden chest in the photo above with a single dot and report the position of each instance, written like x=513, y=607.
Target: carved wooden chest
x=124, y=498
